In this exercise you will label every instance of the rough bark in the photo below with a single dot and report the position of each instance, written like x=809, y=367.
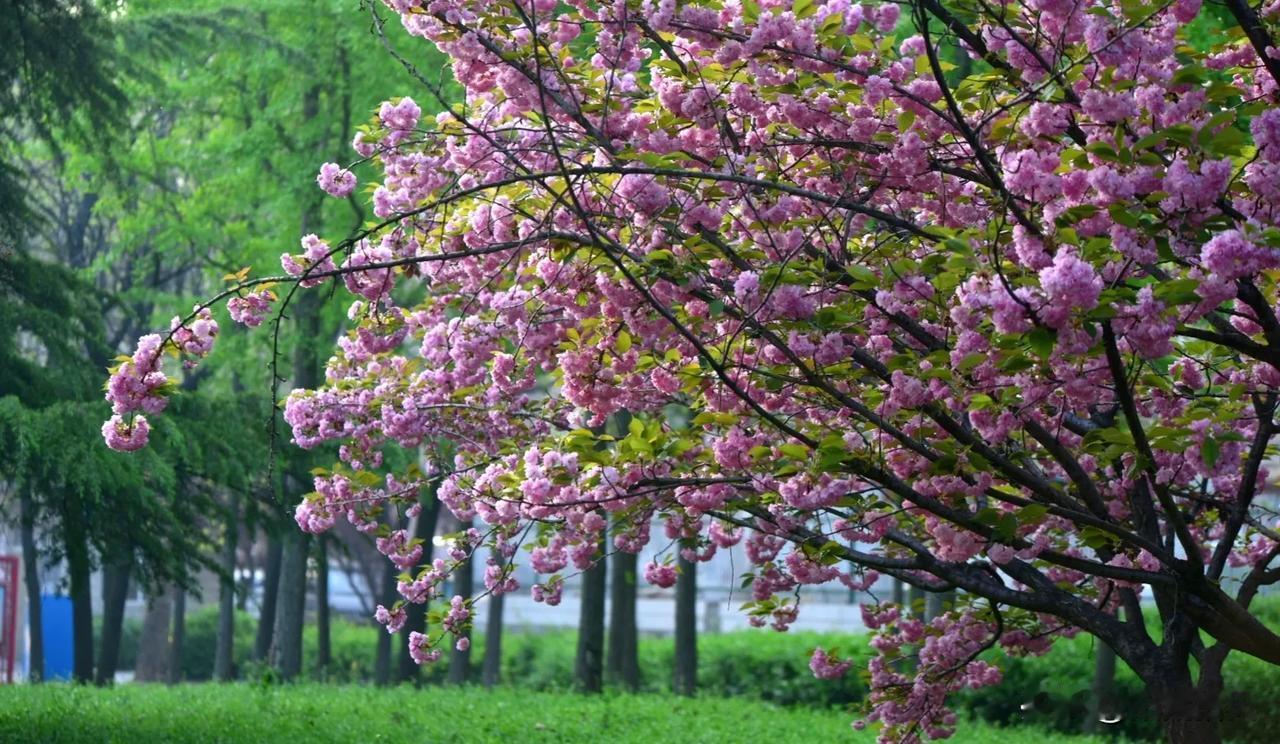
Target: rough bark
x=1189, y=714
x=286, y=650
x=31, y=578
x=589, y=663
x=685, y=676
x=115, y=590
x=270, y=598
x=153, y=645
x=225, y=645
x=424, y=529
x=491, y=673
x=460, y=661
x=179, y=636
x=622, y=662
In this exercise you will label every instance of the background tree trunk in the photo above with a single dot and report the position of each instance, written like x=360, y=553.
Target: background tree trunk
x=622, y=663
x=492, y=672
x=937, y=603
x=382, y=654
x=460, y=661
x=589, y=664
x=324, y=653
x=424, y=529
x=153, y=645
x=224, y=651
x=290, y=615
x=685, y=677
x=286, y=654
x=270, y=598
x=1102, y=693
x=179, y=635
x=31, y=577
x=915, y=600
x=78, y=569
x=115, y=590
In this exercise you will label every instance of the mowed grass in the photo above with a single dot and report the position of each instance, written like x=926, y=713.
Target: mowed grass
x=141, y=714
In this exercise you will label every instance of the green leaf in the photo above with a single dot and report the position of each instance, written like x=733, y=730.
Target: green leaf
x=1209, y=451
x=1041, y=340
x=794, y=450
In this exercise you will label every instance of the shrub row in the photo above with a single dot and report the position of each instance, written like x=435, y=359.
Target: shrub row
x=235, y=714
x=1051, y=691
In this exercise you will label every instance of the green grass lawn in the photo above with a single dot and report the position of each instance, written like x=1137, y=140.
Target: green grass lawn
x=142, y=714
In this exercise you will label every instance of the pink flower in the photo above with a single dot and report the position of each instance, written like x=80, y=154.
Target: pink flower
x=1266, y=134
x=1000, y=554
x=420, y=649
x=1230, y=255
x=660, y=574
x=394, y=618
x=1071, y=284
x=252, y=308
x=126, y=437
x=825, y=666
x=336, y=180
x=643, y=193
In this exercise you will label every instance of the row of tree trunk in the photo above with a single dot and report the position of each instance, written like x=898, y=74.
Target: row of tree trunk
x=621, y=664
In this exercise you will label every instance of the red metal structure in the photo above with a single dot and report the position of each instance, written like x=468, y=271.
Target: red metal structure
x=8, y=616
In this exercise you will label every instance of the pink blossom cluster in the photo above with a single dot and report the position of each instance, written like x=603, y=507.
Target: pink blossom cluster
x=251, y=308
x=336, y=180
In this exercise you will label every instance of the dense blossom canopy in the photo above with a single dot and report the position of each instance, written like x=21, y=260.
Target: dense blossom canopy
x=979, y=296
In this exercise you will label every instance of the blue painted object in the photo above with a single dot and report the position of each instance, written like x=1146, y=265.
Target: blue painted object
x=59, y=653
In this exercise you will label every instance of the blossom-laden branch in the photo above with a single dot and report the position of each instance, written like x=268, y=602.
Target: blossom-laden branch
x=800, y=279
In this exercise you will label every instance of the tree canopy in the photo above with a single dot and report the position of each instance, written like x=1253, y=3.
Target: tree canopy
x=979, y=297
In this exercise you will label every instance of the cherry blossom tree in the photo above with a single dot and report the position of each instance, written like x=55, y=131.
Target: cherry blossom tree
x=978, y=296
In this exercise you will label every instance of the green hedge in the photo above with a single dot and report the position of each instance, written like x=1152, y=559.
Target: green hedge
x=774, y=667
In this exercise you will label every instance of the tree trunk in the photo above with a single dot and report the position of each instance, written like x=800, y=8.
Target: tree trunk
x=224, y=647
x=382, y=656
x=685, y=677
x=179, y=635
x=286, y=651
x=287, y=648
x=492, y=672
x=224, y=650
x=247, y=578
x=416, y=622
x=78, y=569
x=1102, y=692
x=589, y=664
x=622, y=662
x=31, y=577
x=915, y=601
x=153, y=645
x=460, y=661
x=899, y=592
x=270, y=598
x=115, y=590
x=937, y=603
x=324, y=652
x=1189, y=714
